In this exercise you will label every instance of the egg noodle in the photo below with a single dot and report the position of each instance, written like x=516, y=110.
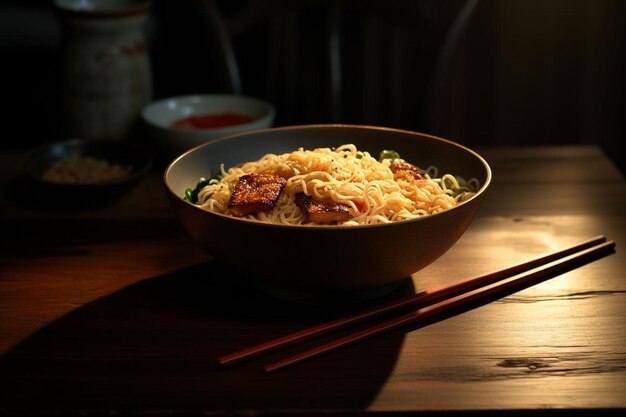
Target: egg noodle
x=344, y=175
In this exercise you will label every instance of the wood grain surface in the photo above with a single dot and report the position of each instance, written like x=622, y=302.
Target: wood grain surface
x=115, y=311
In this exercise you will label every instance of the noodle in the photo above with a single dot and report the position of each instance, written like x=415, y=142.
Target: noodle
x=346, y=176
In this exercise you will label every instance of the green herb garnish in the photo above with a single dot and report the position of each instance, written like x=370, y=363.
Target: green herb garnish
x=191, y=194
x=388, y=154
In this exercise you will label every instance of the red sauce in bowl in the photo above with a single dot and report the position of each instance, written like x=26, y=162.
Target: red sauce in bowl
x=212, y=120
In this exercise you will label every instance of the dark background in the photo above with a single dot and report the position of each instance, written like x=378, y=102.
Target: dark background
x=521, y=71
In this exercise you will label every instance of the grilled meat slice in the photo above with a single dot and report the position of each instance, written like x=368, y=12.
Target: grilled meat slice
x=322, y=211
x=255, y=192
x=403, y=170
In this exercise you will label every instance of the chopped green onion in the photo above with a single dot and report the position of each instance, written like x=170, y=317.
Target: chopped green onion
x=388, y=154
x=191, y=195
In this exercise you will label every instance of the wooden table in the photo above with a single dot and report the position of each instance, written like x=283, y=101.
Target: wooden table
x=115, y=311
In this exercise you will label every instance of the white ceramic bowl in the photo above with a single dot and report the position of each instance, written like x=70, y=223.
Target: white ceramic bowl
x=159, y=116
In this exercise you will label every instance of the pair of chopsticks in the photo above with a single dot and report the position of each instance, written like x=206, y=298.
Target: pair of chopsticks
x=427, y=304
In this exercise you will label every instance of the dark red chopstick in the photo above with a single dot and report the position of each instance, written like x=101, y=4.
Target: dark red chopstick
x=513, y=283
x=420, y=299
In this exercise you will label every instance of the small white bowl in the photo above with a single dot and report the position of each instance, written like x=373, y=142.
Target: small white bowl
x=159, y=116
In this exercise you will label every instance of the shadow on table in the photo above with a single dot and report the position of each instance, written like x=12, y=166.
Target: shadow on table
x=153, y=345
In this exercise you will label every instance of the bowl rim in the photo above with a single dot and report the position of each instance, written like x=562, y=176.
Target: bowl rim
x=137, y=172
x=482, y=190
x=269, y=111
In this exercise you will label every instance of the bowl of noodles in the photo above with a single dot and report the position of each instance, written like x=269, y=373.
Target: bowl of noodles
x=320, y=213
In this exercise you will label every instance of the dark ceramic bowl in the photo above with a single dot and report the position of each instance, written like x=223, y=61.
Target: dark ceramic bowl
x=318, y=263
x=72, y=195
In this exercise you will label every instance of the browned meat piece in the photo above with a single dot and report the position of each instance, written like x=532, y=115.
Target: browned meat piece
x=322, y=211
x=255, y=192
x=403, y=170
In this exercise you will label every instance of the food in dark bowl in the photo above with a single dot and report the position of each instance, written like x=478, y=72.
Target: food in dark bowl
x=324, y=212
x=84, y=173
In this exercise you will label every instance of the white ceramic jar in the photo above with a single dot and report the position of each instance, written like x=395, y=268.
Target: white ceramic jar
x=106, y=75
